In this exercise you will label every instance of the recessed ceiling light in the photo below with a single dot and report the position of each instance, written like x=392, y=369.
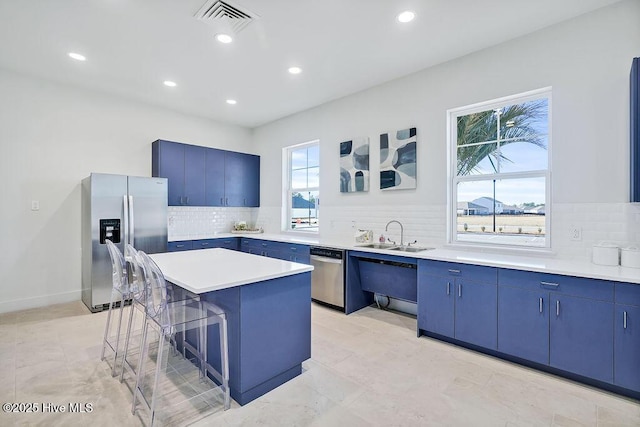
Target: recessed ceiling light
x=295, y=70
x=170, y=83
x=224, y=38
x=406, y=16
x=232, y=101
x=77, y=56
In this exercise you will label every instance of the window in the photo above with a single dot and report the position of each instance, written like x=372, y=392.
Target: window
x=303, y=195
x=500, y=171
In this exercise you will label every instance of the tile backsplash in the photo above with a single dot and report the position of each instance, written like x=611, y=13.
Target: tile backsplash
x=197, y=222
x=618, y=223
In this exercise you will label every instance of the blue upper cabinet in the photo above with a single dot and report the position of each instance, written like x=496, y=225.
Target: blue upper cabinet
x=201, y=176
x=242, y=179
x=251, y=182
x=214, y=178
x=194, y=173
x=184, y=167
x=168, y=162
x=635, y=130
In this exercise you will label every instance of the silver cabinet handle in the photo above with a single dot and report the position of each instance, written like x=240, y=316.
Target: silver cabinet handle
x=459, y=290
x=226, y=201
x=540, y=304
x=624, y=319
x=448, y=288
x=179, y=246
x=454, y=271
x=553, y=285
x=187, y=200
x=221, y=201
x=557, y=308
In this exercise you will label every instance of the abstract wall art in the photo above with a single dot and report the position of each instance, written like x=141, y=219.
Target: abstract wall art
x=354, y=165
x=398, y=160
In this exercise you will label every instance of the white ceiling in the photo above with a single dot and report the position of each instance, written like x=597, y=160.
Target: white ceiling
x=343, y=46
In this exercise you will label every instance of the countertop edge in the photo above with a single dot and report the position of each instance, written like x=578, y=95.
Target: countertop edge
x=540, y=264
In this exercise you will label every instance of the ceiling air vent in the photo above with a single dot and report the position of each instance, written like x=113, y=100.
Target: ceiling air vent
x=216, y=11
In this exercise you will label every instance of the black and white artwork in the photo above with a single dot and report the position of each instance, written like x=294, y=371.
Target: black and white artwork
x=354, y=165
x=398, y=160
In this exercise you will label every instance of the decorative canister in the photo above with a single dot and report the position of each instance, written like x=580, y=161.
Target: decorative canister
x=630, y=257
x=606, y=254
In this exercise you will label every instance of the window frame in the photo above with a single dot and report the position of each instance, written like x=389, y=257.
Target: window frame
x=453, y=179
x=288, y=191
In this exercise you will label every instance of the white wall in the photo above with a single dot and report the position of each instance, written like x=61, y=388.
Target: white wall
x=51, y=137
x=587, y=62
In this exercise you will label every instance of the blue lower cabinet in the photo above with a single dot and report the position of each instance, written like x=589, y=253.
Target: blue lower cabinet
x=627, y=346
x=626, y=327
x=269, y=325
x=183, y=245
x=458, y=301
x=435, y=304
x=581, y=336
x=523, y=323
x=476, y=313
x=187, y=245
x=296, y=253
x=280, y=250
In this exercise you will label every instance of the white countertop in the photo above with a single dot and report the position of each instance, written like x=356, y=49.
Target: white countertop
x=539, y=263
x=207, y=270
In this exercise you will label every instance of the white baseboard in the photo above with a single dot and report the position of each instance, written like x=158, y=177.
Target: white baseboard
x=39, y=301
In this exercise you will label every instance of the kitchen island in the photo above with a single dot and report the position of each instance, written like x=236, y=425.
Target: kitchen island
x=268, y=306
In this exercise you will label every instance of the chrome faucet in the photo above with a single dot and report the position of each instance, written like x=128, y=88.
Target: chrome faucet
x=401, y=230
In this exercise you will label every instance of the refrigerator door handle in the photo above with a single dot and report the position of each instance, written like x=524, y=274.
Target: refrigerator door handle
x=131, y=222
x=125, y=214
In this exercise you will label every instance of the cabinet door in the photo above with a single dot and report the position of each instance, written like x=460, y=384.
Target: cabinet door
x=177, y=246
x=214, y=177
x=435, y=304
x=194, y=175
x=627, y=347
x=251, y=181
x=523, y=323
x=234, y=179
x=581, y=336
x=168, y=162
x=476, y=307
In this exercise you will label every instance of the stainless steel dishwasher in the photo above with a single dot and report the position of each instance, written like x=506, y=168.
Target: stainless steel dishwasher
x=327, y=278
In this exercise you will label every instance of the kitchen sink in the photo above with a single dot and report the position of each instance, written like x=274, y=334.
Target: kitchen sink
x=410, y=249
x=379, y=246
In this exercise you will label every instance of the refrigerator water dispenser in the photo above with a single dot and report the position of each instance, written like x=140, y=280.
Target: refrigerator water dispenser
x=110, y=229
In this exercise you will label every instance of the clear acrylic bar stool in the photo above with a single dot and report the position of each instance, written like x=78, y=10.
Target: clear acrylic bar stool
x=175, y=376
x=119, y=294
x=138, y=306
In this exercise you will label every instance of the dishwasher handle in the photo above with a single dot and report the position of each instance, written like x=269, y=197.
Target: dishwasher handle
x=325, y=259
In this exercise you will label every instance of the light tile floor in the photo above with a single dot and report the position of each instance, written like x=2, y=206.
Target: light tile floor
x=366, y=369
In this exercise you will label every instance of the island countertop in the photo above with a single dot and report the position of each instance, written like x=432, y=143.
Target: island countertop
x=207, y=270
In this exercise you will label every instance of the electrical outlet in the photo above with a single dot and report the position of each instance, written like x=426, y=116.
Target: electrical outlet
x=35, y=205
x=576, y=233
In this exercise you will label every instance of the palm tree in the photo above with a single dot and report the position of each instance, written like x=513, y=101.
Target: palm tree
x=513, y=123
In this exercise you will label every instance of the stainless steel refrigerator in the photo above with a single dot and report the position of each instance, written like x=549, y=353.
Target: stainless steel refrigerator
x=123, y=209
